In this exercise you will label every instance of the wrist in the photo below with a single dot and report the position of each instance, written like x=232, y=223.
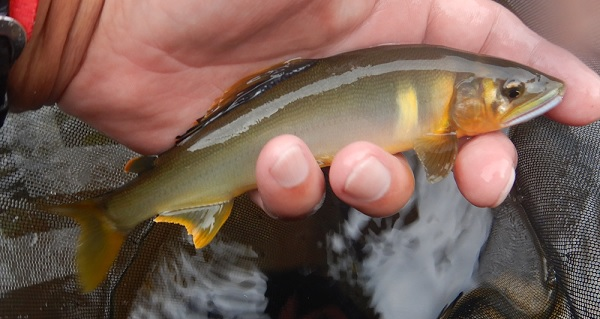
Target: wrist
x=24, y=12
x=56, y=48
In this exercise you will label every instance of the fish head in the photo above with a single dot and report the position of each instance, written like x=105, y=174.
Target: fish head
x=492, y=102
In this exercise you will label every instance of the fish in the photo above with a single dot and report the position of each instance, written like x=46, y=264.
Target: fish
x=399, y=97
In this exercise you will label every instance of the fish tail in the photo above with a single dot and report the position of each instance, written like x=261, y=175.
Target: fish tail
x=99, y=241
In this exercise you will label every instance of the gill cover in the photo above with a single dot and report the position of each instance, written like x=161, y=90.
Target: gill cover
x=484, y=104
x=479, y=106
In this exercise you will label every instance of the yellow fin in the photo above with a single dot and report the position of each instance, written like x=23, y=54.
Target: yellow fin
x=140, y=164
x=437, y=152
x=99, y=241
x=202, y=222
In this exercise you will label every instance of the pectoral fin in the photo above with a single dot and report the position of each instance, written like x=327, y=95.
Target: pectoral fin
x=437, y=153
x=202, y=223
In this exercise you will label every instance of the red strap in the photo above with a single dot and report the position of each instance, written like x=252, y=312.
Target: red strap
x=23, y=11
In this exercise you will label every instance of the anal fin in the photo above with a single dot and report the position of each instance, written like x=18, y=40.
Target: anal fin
x=203, y=222
x=437, y=152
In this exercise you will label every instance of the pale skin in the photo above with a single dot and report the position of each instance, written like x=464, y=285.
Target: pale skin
x=152, y=68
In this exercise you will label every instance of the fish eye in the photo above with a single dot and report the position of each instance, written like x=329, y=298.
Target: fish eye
x=513, y=89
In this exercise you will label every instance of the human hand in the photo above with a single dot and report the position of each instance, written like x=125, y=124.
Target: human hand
x=150, y=70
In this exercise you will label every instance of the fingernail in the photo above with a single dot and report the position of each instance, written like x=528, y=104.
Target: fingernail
x=256, y=198
x=507, y=188
x=291, y=168
x=504, y=170
x=368, y=181
x=318, y=206
x=268, y=211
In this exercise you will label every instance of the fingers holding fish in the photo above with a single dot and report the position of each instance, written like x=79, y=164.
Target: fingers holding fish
x=289, y=180
x=290, y=184
x=485, y=169
x=371, y=180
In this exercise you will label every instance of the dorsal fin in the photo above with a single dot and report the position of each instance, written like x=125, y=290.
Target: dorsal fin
x=248, y=88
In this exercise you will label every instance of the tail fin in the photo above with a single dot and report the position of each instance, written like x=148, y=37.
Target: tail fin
x=99, y=242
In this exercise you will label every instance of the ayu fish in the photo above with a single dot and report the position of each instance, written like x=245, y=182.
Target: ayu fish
x=398, y=97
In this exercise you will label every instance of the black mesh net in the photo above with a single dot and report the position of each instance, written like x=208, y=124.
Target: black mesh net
x=537, y=256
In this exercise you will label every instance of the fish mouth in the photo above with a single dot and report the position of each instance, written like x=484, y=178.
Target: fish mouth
x=534, y=108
